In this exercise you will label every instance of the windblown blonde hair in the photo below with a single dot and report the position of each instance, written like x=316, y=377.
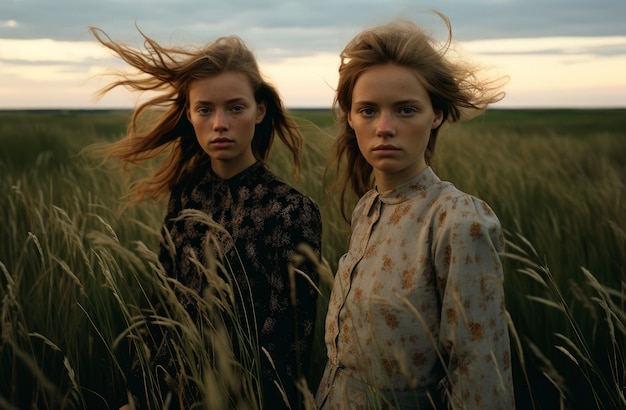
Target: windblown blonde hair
x=160, y=124
x=453, y=87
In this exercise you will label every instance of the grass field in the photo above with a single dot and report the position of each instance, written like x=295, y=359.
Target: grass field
x=75, y=274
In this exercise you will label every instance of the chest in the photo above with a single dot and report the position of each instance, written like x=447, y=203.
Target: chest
x=390, y=251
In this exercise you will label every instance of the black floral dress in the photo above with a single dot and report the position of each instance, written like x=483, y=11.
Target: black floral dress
x=264, y=221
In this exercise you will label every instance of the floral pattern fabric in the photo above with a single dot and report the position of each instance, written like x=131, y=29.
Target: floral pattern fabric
x=418, y=302
x=264, y=221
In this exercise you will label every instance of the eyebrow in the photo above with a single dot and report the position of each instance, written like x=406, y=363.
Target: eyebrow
x=401, y=102
x=230, y=101
x=410, y=101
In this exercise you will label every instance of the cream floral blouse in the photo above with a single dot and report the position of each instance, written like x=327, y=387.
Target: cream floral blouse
x=418, y=301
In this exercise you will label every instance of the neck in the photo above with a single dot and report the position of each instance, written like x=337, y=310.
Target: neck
x=386, y=181
x=227, y=170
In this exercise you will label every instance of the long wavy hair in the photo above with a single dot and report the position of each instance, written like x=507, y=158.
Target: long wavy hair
x=453, y=86
x=160, y=124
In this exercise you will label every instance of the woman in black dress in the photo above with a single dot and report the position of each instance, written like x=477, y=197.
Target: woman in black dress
x=216, y=121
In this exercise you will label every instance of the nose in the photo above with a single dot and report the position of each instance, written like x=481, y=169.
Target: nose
x=385, y=124
x=220, y=121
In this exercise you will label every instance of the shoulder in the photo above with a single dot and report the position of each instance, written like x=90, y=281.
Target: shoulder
x=463, y=214
x=194, y=181
x=292, y=216
x=363, y=204
x=463, y=205
x=286, y=195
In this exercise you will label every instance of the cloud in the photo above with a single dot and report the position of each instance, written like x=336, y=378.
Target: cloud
x=544, y=72
x=597, y=46
x=8, y=24
x=317, y=26
x=555, y=71
x=307, y=81
x=556, y=49
x=49, y=50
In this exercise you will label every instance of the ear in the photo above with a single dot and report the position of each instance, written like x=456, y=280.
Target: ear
x=349, y=117
x=261, y=109
x=438, y=119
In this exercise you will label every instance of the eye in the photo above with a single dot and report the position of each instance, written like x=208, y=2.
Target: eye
x=238, y=108
x=203, y=111
x=407, y=110
x=367, y=112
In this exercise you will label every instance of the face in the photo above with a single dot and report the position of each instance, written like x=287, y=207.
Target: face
x=223, y=112
x=392, y=117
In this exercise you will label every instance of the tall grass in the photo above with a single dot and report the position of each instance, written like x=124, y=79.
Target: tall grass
x=79, y=283
x=557, y=182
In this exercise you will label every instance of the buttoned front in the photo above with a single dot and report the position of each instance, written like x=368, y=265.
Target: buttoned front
x=418, y=300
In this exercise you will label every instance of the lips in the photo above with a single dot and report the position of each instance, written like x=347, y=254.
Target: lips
x=220, y=140
x=221, y=143
x=386, y=147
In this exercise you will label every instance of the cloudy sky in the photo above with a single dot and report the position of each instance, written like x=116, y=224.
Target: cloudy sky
x=558, y=53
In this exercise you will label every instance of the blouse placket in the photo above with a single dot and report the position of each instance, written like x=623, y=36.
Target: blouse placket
x=357, y=251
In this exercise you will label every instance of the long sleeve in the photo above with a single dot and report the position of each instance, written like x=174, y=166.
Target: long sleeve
x=260, y=222
x=417, y=306
x=286, y=329
x=473, y=329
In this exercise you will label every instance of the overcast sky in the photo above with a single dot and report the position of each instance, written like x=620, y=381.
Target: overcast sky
x=557, y=52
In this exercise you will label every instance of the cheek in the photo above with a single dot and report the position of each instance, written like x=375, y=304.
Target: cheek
x=195, y=127
x=199, y=129
x=361, y=143
x=199, y=133
x=194, y=120
x=202, y=123
x=359, y=127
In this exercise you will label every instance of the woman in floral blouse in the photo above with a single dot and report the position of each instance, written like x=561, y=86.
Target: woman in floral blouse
x=416, y=316
x=217, y=120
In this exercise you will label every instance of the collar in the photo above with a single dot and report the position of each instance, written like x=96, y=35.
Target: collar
x=414, y=187
x=243, y=178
